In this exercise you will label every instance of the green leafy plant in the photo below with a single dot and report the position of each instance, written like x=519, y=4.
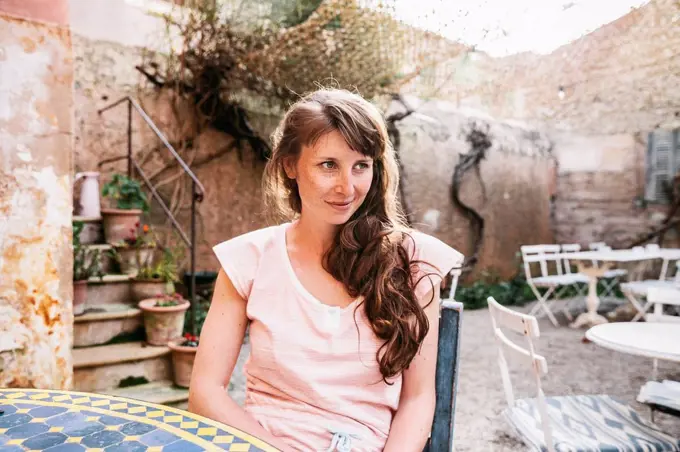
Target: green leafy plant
x=126, y=193
x=86, y=262
x=166, y=301
x=165, y=270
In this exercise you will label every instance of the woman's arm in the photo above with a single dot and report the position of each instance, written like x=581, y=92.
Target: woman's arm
x=413, y=421
x=219, y=347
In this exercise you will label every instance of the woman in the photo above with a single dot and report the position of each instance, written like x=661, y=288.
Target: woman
x=342, y=302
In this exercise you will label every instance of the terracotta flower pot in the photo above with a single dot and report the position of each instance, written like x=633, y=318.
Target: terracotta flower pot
x=79, y=297
x=143, y=289
x=162, y=324
x=182, y=362
x=127, y=259
x=118, y=222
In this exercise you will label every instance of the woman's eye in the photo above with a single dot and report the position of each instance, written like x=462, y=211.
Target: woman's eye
x=328, y=165
x=363, y=165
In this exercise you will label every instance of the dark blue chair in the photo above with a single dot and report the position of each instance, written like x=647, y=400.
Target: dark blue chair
x=448, y=353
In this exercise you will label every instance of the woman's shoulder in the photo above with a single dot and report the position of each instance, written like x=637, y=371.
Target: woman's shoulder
x=257, y=240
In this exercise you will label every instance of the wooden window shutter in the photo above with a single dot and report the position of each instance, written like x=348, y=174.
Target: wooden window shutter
x=661, y=163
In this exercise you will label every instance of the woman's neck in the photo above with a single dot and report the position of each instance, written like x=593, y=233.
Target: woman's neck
x=314, y=236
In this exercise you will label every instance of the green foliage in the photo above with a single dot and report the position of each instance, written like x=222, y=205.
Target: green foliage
x=508, y=293
x=203, y=298
x=164, y=270
x=126, y=193
x=86, y=262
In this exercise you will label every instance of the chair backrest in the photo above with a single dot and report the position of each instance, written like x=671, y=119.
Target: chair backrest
x=448, y=354
x=569, y=248
x=527, y=326
x=661, y=296
x=543, y=255
x=455, y=274
x=594, y=246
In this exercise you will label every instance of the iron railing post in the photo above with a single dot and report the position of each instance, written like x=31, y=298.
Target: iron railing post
x=129, y=139
x=192, y=289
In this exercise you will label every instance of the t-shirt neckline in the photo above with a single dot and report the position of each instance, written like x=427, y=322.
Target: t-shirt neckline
x=288, y=265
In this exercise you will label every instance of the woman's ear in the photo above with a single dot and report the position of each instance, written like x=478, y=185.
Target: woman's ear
x=289, y=168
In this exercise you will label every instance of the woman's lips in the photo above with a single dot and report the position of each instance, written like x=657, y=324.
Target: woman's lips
x=341, y=206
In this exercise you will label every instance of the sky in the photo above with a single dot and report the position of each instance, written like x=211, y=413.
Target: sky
x=504, y=27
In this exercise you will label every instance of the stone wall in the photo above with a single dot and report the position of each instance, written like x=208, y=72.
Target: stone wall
x=36, y=107
x=511, y=192
x=619, y=83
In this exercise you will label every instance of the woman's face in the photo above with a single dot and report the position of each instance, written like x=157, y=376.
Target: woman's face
x=332, y=178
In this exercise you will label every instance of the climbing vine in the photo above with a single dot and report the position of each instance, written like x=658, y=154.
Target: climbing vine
x=479, y=142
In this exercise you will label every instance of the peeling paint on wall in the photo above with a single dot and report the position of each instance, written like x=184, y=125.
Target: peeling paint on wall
x=36, y=107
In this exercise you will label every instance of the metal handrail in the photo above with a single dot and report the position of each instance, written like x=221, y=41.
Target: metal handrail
x=161, y=136
x=197, y=190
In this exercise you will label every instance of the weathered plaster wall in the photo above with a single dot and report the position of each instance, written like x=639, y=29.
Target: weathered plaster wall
x=512, y=192
x=36, y=107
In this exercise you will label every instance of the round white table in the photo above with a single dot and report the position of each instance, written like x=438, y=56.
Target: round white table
x=649, y=339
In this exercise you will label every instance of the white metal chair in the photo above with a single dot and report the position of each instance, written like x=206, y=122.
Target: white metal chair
x=567, y=423
x=455, y=275
x=635, y=290
x=611, y=277
x=581, y=287
x=661, y=396
x=547, y=256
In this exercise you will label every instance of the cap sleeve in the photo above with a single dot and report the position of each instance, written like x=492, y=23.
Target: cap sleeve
x=240, y=258
x=436, y=260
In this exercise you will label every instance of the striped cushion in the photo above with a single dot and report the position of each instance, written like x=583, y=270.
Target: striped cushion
x=588, y=423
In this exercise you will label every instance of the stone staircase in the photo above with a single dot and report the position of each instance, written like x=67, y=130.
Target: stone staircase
x=109, y=352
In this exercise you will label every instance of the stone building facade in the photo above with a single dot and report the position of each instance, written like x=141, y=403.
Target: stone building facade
x=598, y=98
x=36, y=130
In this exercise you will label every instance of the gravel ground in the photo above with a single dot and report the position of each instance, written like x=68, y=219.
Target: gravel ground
x=574, y=367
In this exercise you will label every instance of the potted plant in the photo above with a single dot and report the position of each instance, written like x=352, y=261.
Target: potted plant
x=155, y=278
x=183, y=355
x=136, y=251
x=86, y=264
x=129, y=200
x=184, y=350
x=163, y=318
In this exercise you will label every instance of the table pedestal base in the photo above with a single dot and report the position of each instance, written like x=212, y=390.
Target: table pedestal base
x=589, y=319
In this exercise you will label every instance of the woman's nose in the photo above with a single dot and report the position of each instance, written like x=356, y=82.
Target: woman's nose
x=345, y=184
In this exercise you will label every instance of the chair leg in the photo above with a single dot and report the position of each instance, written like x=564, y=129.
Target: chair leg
x=542, y=304
x=640, y=309
x=609, y=286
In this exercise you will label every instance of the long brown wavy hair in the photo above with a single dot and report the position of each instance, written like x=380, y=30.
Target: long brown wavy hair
x=368, y=254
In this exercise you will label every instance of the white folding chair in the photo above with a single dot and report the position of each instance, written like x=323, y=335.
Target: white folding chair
x=546, y=256
x=576, y=422
x=636, y=290
x=581, y=287
x=661, y=396
x=454, y=274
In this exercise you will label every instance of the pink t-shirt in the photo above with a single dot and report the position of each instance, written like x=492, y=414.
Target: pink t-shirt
x=312, y=371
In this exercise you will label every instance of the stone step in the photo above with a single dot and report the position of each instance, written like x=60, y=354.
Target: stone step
x=92, y=232
x=102, y=323
x=160, y=392
x=110, y=289
x=104, y=367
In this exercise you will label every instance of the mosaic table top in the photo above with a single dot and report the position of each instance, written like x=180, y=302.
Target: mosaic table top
x=65, y=421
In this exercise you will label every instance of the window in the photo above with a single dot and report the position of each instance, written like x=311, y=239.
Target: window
x=662, y=163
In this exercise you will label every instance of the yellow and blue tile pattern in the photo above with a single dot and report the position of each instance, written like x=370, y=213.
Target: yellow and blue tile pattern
x=65, y=421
